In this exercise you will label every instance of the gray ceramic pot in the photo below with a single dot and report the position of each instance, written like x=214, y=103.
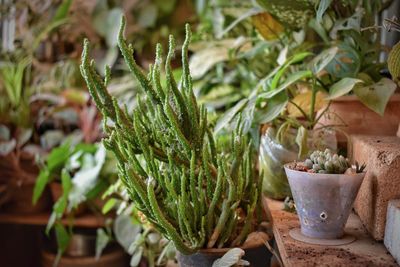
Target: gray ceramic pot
x=323, y=201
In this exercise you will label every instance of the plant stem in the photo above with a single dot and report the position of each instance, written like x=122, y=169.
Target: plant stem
x=312, y=108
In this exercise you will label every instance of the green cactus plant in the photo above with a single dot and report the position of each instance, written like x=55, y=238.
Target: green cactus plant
x=329, y=163
x=173, y=168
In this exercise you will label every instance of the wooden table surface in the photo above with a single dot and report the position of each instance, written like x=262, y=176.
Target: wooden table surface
x=363, y=252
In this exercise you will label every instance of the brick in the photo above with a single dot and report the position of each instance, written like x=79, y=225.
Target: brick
x=392, y=231
x=382, y=181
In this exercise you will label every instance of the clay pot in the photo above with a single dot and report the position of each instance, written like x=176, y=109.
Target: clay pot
x=115, y=258
x=18, y=176
x=355, y=118
x=255, y=252
x=323, y=201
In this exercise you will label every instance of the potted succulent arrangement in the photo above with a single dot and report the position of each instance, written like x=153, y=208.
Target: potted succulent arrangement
x=202, y=199
x=324, y=188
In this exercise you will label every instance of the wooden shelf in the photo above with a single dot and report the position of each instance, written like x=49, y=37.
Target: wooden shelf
x=86, y=220
x=363, y=252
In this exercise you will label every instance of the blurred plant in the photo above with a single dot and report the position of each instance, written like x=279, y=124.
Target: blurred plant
x=232, y=257
x=82, y=171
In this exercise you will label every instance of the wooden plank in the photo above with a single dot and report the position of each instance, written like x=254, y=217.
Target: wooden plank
x=363, y=252
x=86, y=220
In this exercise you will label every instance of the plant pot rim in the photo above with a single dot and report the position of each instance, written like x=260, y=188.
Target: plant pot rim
x=287, y=167
x=353, y=98
x=217, y=251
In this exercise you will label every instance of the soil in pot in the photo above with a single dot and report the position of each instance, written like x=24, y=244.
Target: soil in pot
x=353, y=117
x=255, y=252
x=323, y=201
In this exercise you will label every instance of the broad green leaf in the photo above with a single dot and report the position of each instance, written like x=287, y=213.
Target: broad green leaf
x=58, y=157
x=102, y=239
x=109, y=205
x=62, y=10
x=275, y=106
x=319, y=29
x=301, y=141
x=40, y=184
x=230, y=115
x=278, y=72
x=62, y=237
x=342, y=87
x=377, y=95
x=322, y=7
x=291, y=79
x=346, y=62
x=320, y=62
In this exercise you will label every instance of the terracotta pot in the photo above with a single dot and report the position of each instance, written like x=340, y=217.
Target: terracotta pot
x=18, y=176
x=115, y=258
x=355, y=118
x=255, y=252
x=323, y=201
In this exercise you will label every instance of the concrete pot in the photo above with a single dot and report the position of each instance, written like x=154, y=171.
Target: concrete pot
x=355, y=118
x=323, y=201
x=255, y=252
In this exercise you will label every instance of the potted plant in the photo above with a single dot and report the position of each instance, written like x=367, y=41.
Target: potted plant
x=324, y=188
x=194, y=194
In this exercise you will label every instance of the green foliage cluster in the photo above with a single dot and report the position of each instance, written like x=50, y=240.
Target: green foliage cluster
x=175, y=172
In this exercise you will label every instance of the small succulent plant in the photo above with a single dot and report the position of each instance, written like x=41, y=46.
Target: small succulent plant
x=330, y=163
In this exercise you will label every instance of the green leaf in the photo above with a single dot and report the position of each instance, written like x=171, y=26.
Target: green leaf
x=62, y=11
x=40, y=184
x=291, y=79
x=62, y=237
x=58, y=157
x=275, y=106
x=125, y=231
x=322, y=7
x=231, y=258
x=320, y=62
x=230, y=115
x=102, y=239
x=342, y=87
x=109, y=205
x=346, y=62
x=377, y=95
x=301, y=141
x=136, y=257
